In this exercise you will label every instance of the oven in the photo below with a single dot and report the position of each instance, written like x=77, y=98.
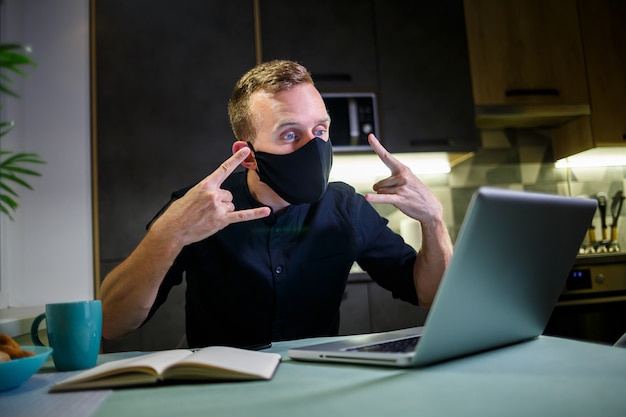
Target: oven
x=353, y=117
x=592, y=305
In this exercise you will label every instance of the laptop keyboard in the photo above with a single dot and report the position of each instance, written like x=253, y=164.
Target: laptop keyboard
x=394, y=346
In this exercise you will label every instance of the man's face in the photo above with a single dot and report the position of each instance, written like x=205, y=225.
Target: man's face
x=287, y=120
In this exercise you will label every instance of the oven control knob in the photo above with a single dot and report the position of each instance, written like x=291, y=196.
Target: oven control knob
x=600, y=278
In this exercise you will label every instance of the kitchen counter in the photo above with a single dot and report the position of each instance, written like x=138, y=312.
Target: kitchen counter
x=16, y=321
x=601, y=258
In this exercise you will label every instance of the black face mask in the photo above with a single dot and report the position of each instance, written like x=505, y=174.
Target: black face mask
x=298, y=177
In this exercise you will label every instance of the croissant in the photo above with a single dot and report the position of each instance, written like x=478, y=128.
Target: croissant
x=10, y=349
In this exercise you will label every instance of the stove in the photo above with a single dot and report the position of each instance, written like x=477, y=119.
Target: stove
x=596, y=277
x=592, y=305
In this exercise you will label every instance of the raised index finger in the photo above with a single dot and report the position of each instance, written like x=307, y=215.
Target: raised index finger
x=218, y=176
x=392, y=163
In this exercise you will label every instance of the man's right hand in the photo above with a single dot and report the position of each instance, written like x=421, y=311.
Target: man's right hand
x=206, y=208
x=130, y=289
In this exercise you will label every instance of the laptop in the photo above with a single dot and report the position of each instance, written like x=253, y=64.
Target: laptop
x=511, y=259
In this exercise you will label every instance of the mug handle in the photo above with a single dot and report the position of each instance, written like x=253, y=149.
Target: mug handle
x=34, y=329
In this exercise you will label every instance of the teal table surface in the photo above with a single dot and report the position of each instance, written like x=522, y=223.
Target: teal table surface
x=544, y=377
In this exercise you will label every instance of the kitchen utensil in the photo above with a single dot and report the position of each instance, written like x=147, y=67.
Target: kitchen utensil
x=588, y=245
x=616, y=208
x=592, y=234
x=601, y=197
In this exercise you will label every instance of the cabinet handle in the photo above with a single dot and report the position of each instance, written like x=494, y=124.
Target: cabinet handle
x=332, y=77
x=517, y=92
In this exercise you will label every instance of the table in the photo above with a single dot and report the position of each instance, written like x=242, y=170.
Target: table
x=547, y=376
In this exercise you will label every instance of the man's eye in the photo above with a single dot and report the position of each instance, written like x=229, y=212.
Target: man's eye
x=289, y=136
x=320, y=132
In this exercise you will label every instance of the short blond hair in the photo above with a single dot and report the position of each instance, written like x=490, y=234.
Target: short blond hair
x=271, y=77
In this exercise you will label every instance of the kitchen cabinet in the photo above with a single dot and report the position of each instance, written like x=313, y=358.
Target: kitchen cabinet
x=527, y=62
x=412, y=54
x=425, y=98
x=367, y=307
x=604, y=41
x=333, y=39
x=163, y=74
x=354, y=313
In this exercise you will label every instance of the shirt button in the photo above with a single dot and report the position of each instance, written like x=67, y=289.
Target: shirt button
x=278, y=269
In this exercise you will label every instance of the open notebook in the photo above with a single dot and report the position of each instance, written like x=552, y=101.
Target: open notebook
x=510, y=262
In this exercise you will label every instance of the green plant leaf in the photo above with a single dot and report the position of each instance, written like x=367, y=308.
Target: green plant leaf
x=5, y=211
x=22, y=170
x=15, y=179
x=15, y=54
x=12, y=170
x=13, y=59
x=21, y=158
x=8, y=189
x=7, y=203
x=14, y=166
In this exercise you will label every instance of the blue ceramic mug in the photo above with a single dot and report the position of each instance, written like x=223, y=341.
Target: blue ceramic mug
x=74, y=333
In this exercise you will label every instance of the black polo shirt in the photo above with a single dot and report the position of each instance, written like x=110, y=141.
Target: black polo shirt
x=283, y=277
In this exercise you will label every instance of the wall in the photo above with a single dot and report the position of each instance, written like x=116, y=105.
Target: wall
x=46, y=252
x=519, y=159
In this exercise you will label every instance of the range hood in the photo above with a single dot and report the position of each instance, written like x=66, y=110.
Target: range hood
x=528, y=116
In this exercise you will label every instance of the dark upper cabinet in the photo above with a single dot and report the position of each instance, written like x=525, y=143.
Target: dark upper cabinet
x=412, y=54
x=425, y=89
x=164, y=72
x=333, y=39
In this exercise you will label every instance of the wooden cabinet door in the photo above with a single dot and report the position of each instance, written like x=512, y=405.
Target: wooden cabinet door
x=334, y=39
x=525, y=52
x=604, y=39
x=604, y=42
x=425, y=98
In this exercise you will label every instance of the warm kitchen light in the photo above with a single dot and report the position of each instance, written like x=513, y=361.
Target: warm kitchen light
x=356, y=168
x=597, y=157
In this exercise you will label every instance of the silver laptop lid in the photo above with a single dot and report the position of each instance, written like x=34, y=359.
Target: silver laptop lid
x=511, y=259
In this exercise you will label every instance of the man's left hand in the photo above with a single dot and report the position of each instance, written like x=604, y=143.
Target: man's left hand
x=403, y=189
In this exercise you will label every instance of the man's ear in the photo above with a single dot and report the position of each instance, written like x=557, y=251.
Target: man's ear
x=250, y=161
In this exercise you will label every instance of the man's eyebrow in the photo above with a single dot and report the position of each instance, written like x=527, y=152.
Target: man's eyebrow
x=286, y=124
x=291, y=123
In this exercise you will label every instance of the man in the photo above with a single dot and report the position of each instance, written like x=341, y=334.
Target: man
x=266, y=251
